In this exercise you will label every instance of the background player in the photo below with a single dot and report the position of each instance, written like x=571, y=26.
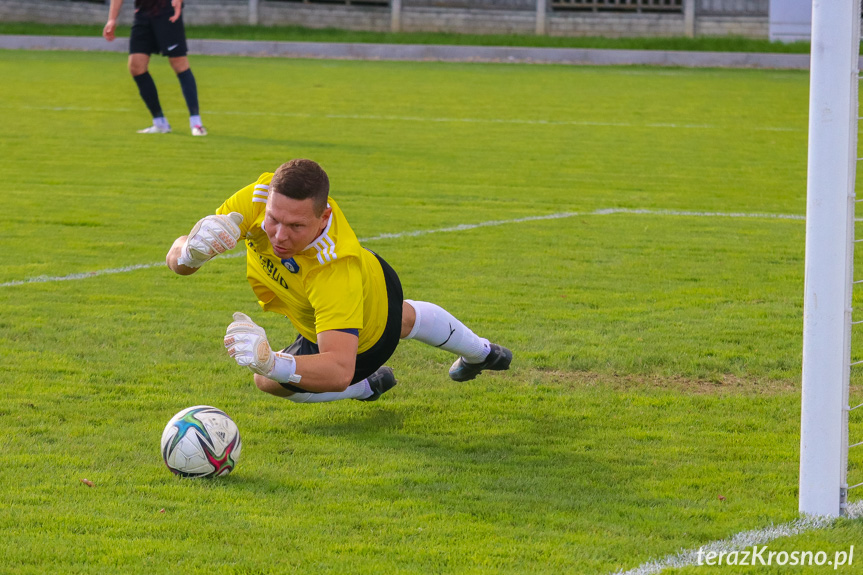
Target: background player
x=158, y=27
x=305, y=262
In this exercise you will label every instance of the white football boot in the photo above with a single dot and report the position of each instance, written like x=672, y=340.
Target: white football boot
x=154, y=129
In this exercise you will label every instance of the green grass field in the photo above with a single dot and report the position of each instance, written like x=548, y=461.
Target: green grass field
x=653, y=404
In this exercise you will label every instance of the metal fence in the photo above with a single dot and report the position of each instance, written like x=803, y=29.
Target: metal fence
x=340, y=2
x=516, y=5
x=619, y=5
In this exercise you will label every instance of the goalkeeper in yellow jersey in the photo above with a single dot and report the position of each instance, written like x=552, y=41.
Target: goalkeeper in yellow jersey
x=304, y=261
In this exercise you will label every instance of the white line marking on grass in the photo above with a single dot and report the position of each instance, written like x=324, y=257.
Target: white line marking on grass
x=697, y=214
x=389, y=118
x=741, y=541
x=458, y=228
x=81, y=276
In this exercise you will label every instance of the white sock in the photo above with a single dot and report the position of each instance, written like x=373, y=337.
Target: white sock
x=160, y=122
x=436, y=326
x=195, y=121
x=359, y=390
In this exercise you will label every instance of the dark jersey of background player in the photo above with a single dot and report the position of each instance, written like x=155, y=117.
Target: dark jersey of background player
x=151, y=6
x=158, y=29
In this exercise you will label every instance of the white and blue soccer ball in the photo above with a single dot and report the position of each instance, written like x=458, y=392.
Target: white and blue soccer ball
x=201, y=441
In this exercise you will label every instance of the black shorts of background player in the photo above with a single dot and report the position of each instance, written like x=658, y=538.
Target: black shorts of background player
x=158, y=28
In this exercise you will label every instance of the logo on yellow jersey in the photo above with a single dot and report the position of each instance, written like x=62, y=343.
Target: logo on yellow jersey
x=292, y=265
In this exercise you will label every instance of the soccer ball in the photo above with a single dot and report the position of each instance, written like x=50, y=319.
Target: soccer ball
x=201, y=441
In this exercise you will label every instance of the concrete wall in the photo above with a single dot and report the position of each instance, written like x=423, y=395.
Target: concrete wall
x=370, y=18
x=733, y=7
x=746, y=26
x=55, y=12
x=615, y=25
x=416, y=16
x=472, y=21
x=211, y=12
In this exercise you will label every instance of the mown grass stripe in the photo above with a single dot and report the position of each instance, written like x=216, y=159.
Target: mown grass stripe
x=444, y=120
x=415, y=233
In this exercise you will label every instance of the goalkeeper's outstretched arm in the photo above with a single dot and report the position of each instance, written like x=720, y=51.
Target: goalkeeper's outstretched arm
x=210, y=237
x=174, y=255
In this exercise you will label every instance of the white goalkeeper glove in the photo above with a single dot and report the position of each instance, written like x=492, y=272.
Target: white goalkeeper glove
x=247, y=343
x=210, y=237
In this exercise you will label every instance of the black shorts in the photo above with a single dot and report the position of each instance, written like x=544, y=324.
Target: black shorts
x=373, y=358
x=153, y=34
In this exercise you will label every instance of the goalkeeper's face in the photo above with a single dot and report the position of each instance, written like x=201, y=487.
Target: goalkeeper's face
x=291, y=225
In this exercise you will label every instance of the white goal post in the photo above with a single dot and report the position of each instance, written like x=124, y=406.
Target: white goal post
x=827, y=313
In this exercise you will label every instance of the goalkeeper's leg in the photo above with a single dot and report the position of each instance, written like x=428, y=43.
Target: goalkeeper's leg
x=368, y=389
x=359, y=390
x=437, y=327
x=433, y=325
x=371, y=379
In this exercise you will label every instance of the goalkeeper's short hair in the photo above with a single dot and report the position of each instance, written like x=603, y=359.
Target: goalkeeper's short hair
x=301, y=179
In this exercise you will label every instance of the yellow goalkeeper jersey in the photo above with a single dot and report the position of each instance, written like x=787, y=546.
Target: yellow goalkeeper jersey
x=333, y=284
